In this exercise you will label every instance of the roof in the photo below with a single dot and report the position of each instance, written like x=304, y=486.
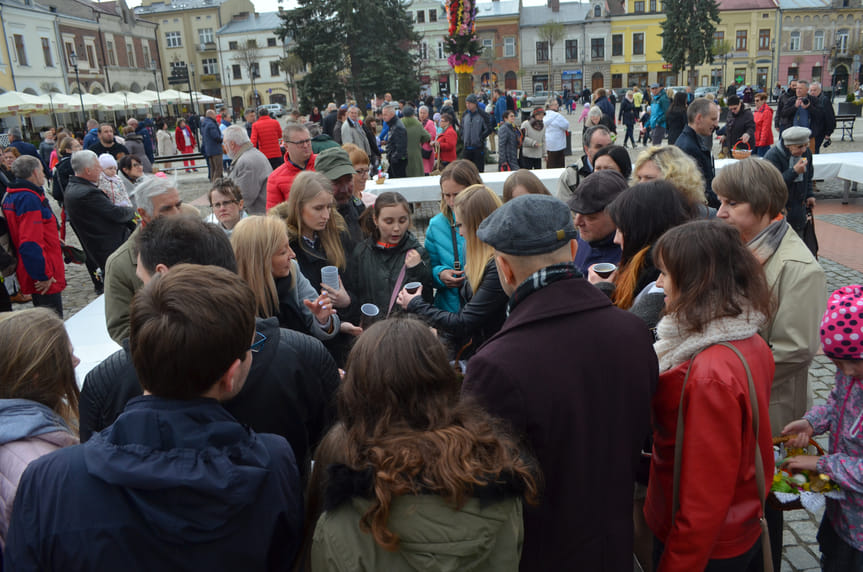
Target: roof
x=263, y=22
x=804, y=4
x=616, y=7
x=177, y=6
x=496, y=9
x=746, y=5
x=569, y=12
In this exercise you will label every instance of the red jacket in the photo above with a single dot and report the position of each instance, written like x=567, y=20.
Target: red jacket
x=719, y=502
x=266, y=133
x=280, y=181
x=34, y=233
x=763, y=126
x=181, y=141
x=447, y=141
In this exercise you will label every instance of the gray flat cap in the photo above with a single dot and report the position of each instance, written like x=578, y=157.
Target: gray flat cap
x=796, y=136
x=528, y=225
x=596, y=191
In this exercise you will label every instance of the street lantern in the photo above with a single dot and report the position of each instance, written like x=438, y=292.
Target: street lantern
x=73, y=59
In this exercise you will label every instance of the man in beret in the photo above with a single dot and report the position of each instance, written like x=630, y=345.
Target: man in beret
x=573, y=376
x=791, y=155
x=595, y=228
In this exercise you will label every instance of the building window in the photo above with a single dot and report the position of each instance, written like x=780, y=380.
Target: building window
x=818, y=45
x=653, y=5
x=46, y=53
x=617, y=45
x=205, y=35
x=763, y=39
x=433, y=15
x=792, y=73
x=488, y=45
x=424, y=51
x=638, y=44
x=509, y=47
x=440, y=51
x=740, y=45
x=173, y=40
x=20, y=50
x=597, y=11
x=130, y=55
x=232, y=45
x=271, y=42
x=253, y=43
x=718, y=38
x=761, y=80
x=146, y=50
x=794, y=42
x=256, y=70
x=541, y=52
x=274, y=69
x=421, y=17
x=639, y=7
x=842, y=41
x=91, y=57
x=236, y=71
x=597, y=49
x=112, y=60
x=740, y=76
x=209, y=66
x=69, y=50
x=572, y=50
x=816, y=72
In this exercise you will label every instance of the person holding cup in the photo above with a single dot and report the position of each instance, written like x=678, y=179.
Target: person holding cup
x=484, y=313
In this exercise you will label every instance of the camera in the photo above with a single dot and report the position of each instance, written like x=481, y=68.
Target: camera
x=805, y=101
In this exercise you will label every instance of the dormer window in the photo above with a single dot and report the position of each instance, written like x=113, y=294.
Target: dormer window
x=597, y=11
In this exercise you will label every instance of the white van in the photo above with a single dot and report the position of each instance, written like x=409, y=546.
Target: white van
x=274, y=109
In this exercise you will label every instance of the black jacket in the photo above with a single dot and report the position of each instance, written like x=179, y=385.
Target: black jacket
x=737, y=125
x=479, y=319
x=171, y=485
x=785, y=110
x=798, y=191
x=289, y=391
x=397, y=142
x=351, y=211
x=101, y=226
x=693, y=145
x=627, y=112
x=823, y=120
x=675, y=119
x=328, y=123
x=62, y=172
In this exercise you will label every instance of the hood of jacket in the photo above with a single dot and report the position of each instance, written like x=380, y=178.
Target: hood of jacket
x=134, y=137
x=22, y=418
x=188, y=467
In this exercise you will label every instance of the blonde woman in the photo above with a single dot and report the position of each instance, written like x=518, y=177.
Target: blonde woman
x=484, y=313
x=38, y=396
x=267, y=263
x=678, y=168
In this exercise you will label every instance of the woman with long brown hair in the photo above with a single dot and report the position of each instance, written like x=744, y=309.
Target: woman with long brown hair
x=411, y=464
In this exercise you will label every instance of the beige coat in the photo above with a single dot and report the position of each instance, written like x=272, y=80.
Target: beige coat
x=533, y=144
x=799, y=287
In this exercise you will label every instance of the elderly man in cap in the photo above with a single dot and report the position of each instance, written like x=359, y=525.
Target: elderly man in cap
x=595, y=228
x=397, y=142
x=336, y=164
x=791, y=155
x=476, y=126
x=573, y=376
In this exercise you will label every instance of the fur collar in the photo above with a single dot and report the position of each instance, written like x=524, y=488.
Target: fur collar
x=344, y=483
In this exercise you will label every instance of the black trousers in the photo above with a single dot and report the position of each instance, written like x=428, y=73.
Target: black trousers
x=398, y=169
x=53, y=301
x=276, y=162
x=476, y=155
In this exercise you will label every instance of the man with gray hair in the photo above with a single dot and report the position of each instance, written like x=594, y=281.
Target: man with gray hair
x=250, y=168
x=397, y=143
x=823, y=121
x=101, y=226
x=702, y=117
x=594, y=138
x=352, y=131
x=154, y=197
x=23, y=147
x=320, y=140
x=299, y=158
x=33, y=230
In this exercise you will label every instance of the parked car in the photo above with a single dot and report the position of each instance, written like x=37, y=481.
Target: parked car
x=275, y=109
x=541, y=98
x=516, y=93
x=702, y=91
x=678, y=88
x=620, y=93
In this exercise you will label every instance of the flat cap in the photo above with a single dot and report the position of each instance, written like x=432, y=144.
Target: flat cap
x=596, y=191
x=653, y=85
x=471, y=98
x=334, y=162
x=528, y=225
x=796, y=136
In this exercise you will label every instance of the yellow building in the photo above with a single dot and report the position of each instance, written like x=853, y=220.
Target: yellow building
x=7, y=83
x=748, y=29
x=635, y=45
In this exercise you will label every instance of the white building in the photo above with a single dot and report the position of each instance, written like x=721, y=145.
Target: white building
x=30, y=32
x=429, y=21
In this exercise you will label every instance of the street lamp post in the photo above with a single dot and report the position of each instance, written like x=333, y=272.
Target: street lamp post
x=192, y=91
x=73, y=58
x=773, y=76
x=156, y=80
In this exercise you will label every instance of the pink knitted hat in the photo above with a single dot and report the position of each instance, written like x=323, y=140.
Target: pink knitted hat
x=842, y=325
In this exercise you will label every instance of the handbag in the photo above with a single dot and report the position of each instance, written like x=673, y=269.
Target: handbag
x=809, y=236
x=759, y=463
x=426, y=153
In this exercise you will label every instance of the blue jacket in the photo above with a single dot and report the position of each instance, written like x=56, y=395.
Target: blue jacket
x=91, y=138
x=590, y=253
x=658, y=108
x=606, y=106
x=174, y=485
x=499, y=110
x=147, y=140
x=438, y=244
x=211, y=137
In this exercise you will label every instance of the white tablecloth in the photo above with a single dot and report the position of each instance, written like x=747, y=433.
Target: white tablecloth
x=422, y=189
x=90, y=338
x=847, y=166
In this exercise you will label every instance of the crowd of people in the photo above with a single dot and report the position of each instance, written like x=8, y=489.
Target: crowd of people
x=567, y=379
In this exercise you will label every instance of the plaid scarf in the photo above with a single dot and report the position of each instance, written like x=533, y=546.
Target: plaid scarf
x=540, y=279
x=767, y=241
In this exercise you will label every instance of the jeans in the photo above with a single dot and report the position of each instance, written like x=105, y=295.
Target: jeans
x=53, y=301
x=630, y=135
x=657, y=134
x=836, y=554
x=762, y=151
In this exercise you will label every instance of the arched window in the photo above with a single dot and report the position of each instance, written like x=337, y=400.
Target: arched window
x=597, y=11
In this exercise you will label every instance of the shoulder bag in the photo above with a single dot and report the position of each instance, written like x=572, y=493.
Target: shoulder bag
x=759, y=463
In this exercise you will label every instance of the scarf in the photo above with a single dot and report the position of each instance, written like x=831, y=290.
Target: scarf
x=536, y=124
x=540, y=279
x=767, y=241
x=677, y=345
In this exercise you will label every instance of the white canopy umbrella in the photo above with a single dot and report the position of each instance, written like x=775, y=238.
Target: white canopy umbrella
x=172, y=96
x=14, y=102
x=206, y=99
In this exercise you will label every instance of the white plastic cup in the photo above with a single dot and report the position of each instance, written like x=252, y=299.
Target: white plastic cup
x=330, y=276
x=370, y=314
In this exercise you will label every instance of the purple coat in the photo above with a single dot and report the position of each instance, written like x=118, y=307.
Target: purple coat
x=573, y=375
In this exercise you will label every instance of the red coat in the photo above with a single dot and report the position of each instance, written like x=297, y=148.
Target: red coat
x=280, y=181
x=448, y=140
x=33, y=229
x=719, y=502
x=763, y=126
x=181, y=141
x=266, y=133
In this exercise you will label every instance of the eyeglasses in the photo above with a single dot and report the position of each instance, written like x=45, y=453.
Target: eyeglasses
x=135, y=165
x=362, y=171
x=300, y=142
x=258, y=343
x=225, y=204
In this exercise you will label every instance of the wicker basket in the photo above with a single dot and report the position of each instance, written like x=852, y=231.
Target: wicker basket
x=771, y=499
x=741, y=153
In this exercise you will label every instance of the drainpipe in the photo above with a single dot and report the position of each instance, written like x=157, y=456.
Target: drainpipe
x=779, y=47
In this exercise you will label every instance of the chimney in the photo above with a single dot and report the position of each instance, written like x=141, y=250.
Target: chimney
x=554, y=5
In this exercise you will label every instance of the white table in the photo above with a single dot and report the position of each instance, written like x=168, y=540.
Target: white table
x=89, y=336
x=423, y=189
